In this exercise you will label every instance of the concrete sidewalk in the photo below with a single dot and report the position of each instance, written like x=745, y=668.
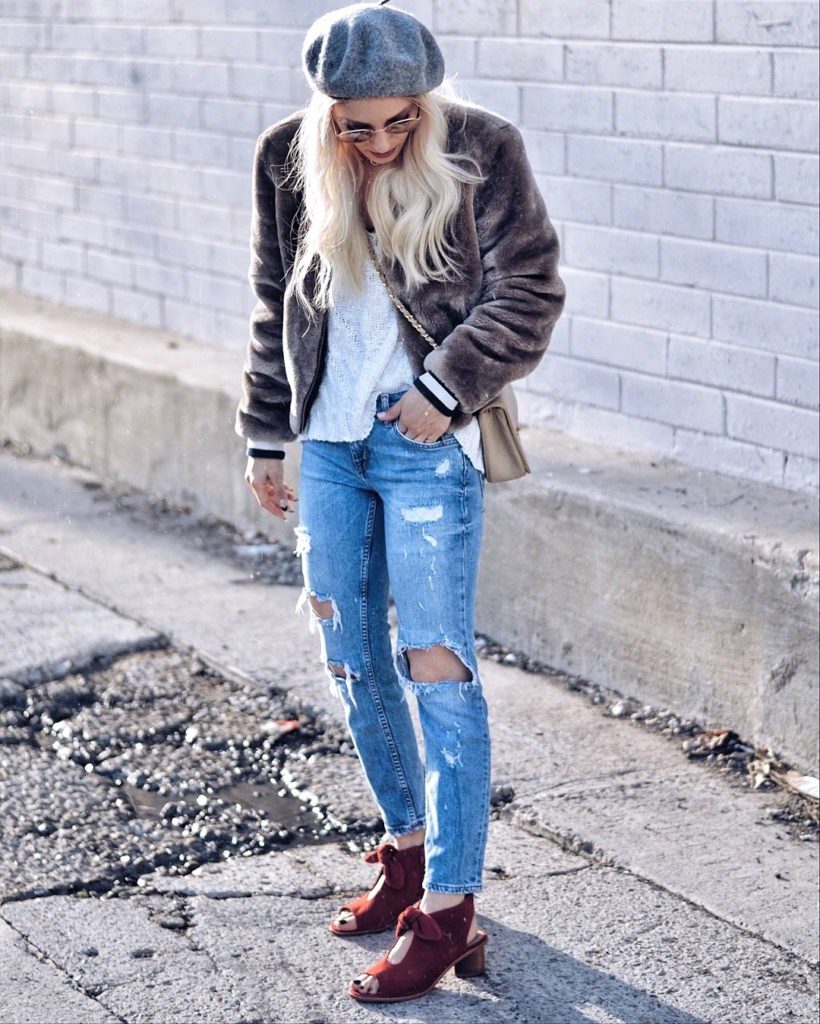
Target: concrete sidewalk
x=687, y=588
x=624, y=883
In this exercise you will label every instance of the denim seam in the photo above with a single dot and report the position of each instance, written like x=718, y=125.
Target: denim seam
x=482, y=842
x=466, y=887
x=405, y=830
x=478, y=853
x=368, y=661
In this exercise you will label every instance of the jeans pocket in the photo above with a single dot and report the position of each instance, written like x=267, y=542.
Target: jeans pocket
x=446, y=438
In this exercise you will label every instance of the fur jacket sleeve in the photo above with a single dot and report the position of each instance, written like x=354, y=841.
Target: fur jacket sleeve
x=507, y=331
x=266, y=390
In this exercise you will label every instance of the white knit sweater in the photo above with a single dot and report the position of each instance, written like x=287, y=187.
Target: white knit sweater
x=365, y=357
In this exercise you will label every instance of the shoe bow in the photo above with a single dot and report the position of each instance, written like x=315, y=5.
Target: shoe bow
x=391, y=865
x=421, y=924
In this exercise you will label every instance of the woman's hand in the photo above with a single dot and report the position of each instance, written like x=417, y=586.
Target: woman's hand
x=418, y=419
x=266, y=478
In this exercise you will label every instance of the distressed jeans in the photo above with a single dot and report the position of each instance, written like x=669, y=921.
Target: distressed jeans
x=389, y=514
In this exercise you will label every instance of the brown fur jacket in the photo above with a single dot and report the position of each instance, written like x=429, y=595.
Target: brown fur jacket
x=492, y=325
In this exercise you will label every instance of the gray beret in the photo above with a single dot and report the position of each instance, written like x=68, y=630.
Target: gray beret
x=371, y=50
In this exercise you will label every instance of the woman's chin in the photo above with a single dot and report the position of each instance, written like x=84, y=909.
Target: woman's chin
x=382, y=161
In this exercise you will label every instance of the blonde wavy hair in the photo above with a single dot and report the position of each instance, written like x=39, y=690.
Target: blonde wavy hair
x=412, y=204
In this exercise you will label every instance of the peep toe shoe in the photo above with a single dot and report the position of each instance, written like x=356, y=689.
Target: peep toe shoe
x=439, y=943
x=403, y=872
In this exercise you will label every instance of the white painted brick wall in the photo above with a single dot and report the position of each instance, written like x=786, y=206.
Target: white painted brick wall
x=623, y=160
x=675, y=143
x=793, y=279
x=613, y=250
x=771, y=22
x=663, y=212
x=773, y=123
x=662, y=20
x=530, y=60
x=797, y=383
x=673, y=402
x=639, y=67
x=768, y=225
x=714, y=364
x=770, y=326
x=603, y=341
x=708, y=69
x=719, y=170
x=584, y=19
x=706, y=266
x=577, y=198
x=660, y=305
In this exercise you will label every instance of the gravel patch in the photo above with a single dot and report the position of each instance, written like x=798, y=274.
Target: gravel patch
x=156, y=761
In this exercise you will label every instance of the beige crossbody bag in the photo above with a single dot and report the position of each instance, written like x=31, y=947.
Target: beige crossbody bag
x=504, y=457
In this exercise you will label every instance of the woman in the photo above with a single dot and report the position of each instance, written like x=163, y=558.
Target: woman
x=385, y=165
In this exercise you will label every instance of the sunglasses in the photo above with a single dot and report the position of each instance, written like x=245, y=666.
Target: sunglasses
x=403, y=127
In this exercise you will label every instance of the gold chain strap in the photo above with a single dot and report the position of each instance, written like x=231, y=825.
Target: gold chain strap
x=396, y=301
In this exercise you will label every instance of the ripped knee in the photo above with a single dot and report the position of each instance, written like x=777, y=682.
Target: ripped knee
x=341, y=680
x=436, y=664
x=324, y=609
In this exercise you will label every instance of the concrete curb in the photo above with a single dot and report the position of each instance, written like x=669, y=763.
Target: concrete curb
x=673, y=585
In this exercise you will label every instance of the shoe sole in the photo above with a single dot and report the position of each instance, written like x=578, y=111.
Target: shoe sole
x=363, y=997
x=348, y=932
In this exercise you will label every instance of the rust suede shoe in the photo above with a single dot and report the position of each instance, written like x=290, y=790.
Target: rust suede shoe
x=439, y=943
x=403, y=872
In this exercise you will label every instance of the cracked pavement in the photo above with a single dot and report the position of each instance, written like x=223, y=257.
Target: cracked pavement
x=155, y=714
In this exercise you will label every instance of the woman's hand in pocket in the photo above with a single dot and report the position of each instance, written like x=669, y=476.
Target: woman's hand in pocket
x=266, y=478
x=418, y=419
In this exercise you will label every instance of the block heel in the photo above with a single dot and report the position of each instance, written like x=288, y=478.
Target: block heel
x=472, y=965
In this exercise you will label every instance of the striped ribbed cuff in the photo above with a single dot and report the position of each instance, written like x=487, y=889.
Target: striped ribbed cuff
x=264, y=453
x=263, y=450
x=436, y=393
